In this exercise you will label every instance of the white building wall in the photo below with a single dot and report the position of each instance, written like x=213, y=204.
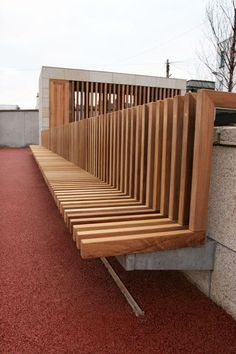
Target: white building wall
x=95, y=76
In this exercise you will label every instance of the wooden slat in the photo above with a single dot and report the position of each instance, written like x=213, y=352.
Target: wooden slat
x=176, y=154
x=91, y=99
x=109, y=98
x=82, y=100
x=157, y=169
x=166, y=155
x=96, y=98
x=100, y=97
x=72, y=93
x=151, y=108
x=135, y=95
x=186, y=160
x=87, y=100
x=77, y=101
x=105, y=99
x=119, y=245
x=118, y=97
x=207, y=102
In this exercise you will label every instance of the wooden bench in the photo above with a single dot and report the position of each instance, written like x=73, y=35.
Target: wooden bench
x=135, y=180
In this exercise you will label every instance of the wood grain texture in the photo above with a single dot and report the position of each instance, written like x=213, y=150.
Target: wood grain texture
x=135, y=180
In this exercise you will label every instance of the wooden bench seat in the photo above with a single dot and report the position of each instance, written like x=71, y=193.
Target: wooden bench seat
x=103, y=221
x=136, y=180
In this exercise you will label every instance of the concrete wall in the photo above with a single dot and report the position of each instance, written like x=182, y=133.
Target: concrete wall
x=19, y=128
x=95, y=76
x=220, y=285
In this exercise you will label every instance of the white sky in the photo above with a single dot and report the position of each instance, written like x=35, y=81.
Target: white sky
x=133, y=36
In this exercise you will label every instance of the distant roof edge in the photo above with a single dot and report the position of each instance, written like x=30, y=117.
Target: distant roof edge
x=111, y=77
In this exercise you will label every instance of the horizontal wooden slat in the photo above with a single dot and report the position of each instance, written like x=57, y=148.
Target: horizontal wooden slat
x=114, y=246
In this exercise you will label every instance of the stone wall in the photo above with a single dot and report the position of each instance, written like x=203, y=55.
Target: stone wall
x=19, y=128
x=220, y=285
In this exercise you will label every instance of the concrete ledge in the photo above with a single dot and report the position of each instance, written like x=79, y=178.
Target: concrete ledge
x=189, y=258
x=19, y=128
x=225, y=136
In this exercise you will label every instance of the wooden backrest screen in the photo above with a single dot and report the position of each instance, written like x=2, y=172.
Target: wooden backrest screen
x=158, y=153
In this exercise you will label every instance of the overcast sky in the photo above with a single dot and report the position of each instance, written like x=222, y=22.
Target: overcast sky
x=132, y=36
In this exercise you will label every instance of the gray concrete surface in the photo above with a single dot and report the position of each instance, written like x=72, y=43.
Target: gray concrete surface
x=220, y=284
x=19, y=128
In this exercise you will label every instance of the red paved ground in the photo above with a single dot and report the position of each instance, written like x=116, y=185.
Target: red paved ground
x=51, y=301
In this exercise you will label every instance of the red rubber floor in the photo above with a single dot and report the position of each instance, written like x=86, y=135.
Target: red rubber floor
x=51, y=301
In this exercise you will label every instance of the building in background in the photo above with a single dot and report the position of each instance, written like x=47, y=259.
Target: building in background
x=9, y=107
x=195, y=85
x=68, y=95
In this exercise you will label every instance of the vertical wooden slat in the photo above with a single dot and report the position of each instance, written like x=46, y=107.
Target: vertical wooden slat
x=114, y=98
x=96, y=99
x=107, y=146
x=151, y=110
x=135, y=95
x=156, y=96
x=111, y=147
x=86, y=99
x=72, y=101
x=91, y=99
x=102, y=145
x=89, y=145
x=159, y=113
x=176, y=153
x=77, y=101
x=131, y=95
x=105, y=99
x=143, y=155
x=65, y=102
x=137, y=115
x=144, y=95
x=82, y=100
x=132, y=152
x=203, y=141
x=118, y=97
x=59, y=102
x=152, y=94
x=115, y=147
x=118, y=149
x=126, y=96
x=148, y=95
x=51, y=104
x=122, y=96
x=109, y=98
x=166, y=157
x=100, y=97
x=122, y=153
x=92, y=144
x=127, y=150
x=99, y=146
x=140, y=92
